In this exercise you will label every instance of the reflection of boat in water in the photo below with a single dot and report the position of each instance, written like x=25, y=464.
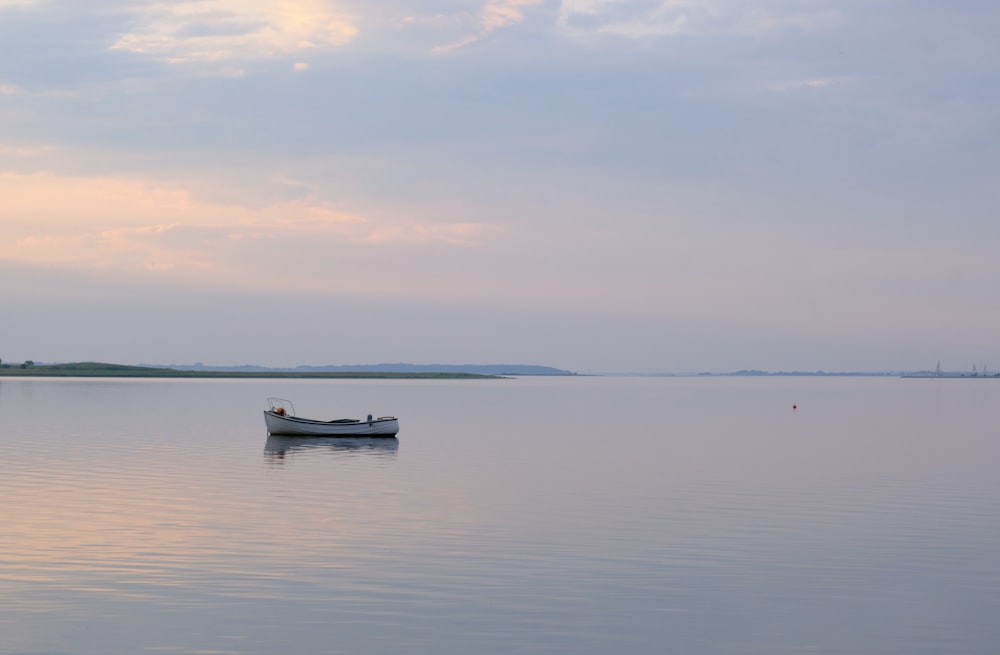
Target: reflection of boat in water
x=279, y=446
x=281, y=419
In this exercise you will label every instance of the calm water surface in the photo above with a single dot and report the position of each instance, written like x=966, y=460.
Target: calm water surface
x=532, y=515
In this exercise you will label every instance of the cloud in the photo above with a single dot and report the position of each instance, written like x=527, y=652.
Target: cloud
x=502, y=13
x=495, y=15
x=449, y=233
x=123, y=224
x=640, y=19
x=225, y=30
x=34, y=150
x=792, y=85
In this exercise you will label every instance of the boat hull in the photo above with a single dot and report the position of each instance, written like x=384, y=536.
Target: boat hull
x=385, y=426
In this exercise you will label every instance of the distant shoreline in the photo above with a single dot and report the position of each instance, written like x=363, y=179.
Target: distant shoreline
x=405, y=372
x=102, y=370
x=951, y=376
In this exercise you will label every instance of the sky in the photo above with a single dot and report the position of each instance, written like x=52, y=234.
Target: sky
x=596, y=185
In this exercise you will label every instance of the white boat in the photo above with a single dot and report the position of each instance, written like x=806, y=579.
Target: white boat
x=281, y=419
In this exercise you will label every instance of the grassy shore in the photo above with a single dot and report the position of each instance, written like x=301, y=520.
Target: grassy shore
x=102, y=370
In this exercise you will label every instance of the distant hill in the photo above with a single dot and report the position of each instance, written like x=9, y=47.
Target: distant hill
x=102, y=369
x=473, y=369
